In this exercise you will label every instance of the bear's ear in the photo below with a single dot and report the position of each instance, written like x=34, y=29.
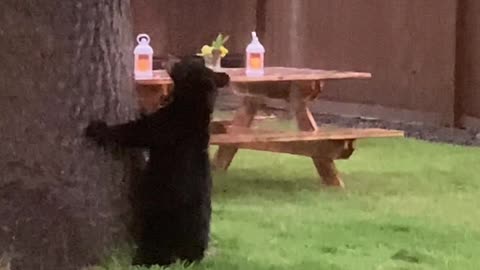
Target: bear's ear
x=221, y=79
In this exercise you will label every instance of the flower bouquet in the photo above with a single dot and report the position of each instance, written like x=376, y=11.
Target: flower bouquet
x=214, y=53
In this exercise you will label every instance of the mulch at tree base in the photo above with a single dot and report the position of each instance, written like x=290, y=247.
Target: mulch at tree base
x=468, y=137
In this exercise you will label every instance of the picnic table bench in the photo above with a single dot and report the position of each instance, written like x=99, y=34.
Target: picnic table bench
x=298, y=87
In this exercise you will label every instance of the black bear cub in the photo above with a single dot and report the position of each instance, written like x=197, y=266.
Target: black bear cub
x=175, y=192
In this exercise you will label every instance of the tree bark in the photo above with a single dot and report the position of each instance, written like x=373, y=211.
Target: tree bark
x=63, y=200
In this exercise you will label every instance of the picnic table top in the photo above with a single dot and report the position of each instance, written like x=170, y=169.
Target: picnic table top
x=272, y=74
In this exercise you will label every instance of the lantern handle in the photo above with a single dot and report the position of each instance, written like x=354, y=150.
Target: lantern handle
x=142, y=37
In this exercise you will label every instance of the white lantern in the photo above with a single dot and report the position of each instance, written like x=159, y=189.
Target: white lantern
x=255, y=54
x=143, y=58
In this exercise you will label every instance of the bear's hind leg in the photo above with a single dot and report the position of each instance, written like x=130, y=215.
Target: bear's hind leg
x=148, y=256
x=157, y=244
x=195, y=236
x=192, y=254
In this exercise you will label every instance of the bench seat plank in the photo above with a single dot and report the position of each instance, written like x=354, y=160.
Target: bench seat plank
x=261, y=136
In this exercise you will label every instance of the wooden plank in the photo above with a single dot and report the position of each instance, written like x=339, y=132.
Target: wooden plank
x=294, y=74
x=272, y=74
x=260, y=136
x=229, y=121
x=244, y=117
x=328, y=172
x=225, y=126
x=340, y=149
x=151, y=97
x=298, y=106
x=325, y=165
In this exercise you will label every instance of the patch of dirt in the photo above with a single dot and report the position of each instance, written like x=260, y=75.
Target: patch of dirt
x=456, y=136
x=228, y=102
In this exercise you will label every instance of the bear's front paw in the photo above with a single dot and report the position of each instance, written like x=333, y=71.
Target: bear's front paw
x=96, y=130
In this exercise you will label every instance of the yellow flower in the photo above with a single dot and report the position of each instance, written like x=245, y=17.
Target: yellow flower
x=224, y=51
x=206, y=50
x=217, y=44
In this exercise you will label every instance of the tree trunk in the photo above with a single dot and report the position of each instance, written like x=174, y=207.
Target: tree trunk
x=63, y=200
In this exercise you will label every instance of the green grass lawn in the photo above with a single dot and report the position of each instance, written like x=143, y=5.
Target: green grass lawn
x=407, y=205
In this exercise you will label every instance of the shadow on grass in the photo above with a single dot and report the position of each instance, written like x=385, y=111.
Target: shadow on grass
x=256, y=183
x=242, y=262
x=431, y=182
x=241, y=183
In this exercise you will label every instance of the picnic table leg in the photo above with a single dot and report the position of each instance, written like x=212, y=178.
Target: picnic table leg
x=328, y=171
x=243, y=118
x=305, y=121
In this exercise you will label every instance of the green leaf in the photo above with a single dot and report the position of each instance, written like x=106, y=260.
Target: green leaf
x=219, y=41
x=225, y=39
x=219, y=37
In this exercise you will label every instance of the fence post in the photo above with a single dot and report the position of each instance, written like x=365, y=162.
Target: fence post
x=460, y=54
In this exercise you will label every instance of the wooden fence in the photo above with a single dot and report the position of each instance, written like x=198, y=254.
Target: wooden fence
x=424, y=55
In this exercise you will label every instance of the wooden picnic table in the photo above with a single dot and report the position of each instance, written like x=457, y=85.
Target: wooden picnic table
x=298, y=87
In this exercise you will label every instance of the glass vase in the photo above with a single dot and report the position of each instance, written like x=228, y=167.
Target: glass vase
x=213, y=61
